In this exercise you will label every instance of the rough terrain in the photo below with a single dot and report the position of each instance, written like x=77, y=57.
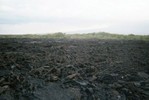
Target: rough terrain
x=74, y=69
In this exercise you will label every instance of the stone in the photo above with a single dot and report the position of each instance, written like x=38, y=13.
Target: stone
x=143, y=75
x=4, y=88
x=72, y=76
x=53, y=78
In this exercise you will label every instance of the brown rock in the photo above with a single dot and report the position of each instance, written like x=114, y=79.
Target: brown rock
x=53, y=78
x=72, y=76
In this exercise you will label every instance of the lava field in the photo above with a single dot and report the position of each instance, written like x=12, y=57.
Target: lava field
x=74, y=69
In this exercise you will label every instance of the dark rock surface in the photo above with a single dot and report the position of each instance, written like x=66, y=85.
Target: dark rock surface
x=48, y=69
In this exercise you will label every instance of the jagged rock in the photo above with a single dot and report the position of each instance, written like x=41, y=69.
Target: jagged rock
x=1, y=80
x=82, y=83
x=93, y=78
x=115, y=85
x=143, y=75
x=54, y=78
x=72, y=76
x=53, y=70
x=4, y=73
x=108, y=78
x=13, y=66
x=3, y=89
x=55, y=92
x=138, y=84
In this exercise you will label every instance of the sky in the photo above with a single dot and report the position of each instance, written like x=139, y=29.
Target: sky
x=74, y=16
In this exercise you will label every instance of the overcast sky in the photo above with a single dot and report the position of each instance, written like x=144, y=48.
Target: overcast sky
x=47, y=16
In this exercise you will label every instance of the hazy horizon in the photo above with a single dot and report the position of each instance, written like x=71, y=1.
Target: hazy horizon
x=74, y=16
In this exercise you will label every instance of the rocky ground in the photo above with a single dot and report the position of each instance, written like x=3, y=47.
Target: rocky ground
x=58, y=69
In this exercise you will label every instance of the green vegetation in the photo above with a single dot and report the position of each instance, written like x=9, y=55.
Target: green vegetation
x=99, y=35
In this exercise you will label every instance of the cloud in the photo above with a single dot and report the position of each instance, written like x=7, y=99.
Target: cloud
x=88, y=9
x=73, y=13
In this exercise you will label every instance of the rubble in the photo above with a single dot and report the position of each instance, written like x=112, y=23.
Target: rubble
x=46, y=69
